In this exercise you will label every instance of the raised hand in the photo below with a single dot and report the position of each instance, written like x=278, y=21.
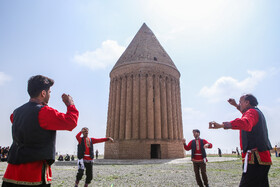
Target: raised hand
x=67, y=99
x=232, y=102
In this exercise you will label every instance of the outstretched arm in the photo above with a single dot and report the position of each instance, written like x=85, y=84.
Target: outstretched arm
x=99, y=140
x=246, y=122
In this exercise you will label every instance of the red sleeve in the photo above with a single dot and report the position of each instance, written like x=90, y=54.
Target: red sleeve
x=78, y=137
x=206, y=142
x=98, y=140
x=51, y=119
x=188, y=147
x=248, y=120
x=12, y=118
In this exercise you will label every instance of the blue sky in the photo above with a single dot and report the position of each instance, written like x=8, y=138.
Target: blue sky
x=221, y=48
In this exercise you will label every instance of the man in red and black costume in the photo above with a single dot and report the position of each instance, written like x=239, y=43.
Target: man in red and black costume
x=85, y=155
x=199, y=159
x=34, y=132
x=254, y=141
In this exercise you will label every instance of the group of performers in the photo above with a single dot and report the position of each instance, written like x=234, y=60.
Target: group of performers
x=254, y=142
x=34, y=134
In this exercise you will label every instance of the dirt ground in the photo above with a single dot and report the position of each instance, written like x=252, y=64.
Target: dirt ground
x=221, y=173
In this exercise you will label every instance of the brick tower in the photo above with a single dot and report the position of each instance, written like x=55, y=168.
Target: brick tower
x=144, y=112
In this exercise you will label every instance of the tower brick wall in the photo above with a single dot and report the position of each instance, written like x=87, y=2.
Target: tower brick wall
x=144, y=112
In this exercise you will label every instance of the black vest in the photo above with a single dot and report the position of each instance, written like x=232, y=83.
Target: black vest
x=82, y=149
x=201, y=147
x=258, y=137
x=30, y=141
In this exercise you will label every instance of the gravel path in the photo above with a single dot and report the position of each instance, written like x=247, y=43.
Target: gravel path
x=177, y=172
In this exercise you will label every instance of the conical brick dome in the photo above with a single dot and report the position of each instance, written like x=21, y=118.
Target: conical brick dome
x=145, y=48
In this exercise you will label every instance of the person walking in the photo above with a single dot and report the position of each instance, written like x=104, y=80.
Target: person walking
x=199, y=159
x=85, y=155
x=254, y=141
x=34, y=135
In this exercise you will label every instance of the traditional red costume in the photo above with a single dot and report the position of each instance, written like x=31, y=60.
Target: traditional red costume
x=87, y=148
x=31, y=173
x=249, y=119
x=197, y=153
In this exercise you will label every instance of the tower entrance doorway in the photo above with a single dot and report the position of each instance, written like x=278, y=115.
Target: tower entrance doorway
x=155, y=151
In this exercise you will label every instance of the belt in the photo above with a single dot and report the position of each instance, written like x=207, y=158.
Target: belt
x=246, y=160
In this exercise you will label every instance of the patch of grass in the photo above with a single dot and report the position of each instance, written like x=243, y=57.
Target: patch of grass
x=179, y=166
x=112, y=177
x=217, y=170
x=223, y=155
x=274, y=171
x=70, y=169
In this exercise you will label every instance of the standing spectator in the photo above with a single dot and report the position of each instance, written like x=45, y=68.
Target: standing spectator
x=85, y=154
x=34, y=132
x=199, y=159
x=254, y=141
x=275, y=148
x=96, y=154
x=237, y=151
x=219, y=152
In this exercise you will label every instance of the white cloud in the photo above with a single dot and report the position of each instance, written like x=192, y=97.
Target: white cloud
x=198, y=18
x=4, y=78
x=101, y=58
x=226, y=87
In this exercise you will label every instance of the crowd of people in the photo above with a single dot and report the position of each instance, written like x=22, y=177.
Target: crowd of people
x=4, y=151
x=66, y=158
x=72, y=158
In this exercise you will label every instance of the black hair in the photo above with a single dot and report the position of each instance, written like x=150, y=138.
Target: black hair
x=252, y=99
x=38, y=83
x=196, y=130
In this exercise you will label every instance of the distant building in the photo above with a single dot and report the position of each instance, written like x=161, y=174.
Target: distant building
x=144, y=112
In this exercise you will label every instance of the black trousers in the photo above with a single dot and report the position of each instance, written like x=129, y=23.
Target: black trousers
x=88, y=167
x=202, y=167
x=256, y=175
